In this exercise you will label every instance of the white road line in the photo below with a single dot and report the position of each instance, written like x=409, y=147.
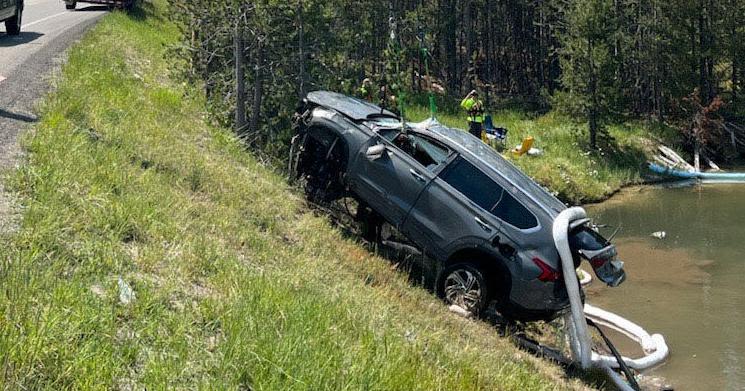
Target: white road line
x=45, y=19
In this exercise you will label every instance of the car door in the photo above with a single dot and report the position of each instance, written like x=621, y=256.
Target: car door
x=390, y=181
x=454, y=211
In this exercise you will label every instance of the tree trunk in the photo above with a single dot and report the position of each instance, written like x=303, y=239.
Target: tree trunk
x=657, y=66
x=733, y=49
x=488, y=50
x=735, y=82
x=301, y=49
x=468, y=25
x=449, y=53
x=593, y=107
x=258, y=86
x=240, y=82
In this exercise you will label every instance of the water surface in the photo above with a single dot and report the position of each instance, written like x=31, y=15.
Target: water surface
x=690, y=286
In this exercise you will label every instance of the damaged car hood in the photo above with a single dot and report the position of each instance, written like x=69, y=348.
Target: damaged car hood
x=353, y=108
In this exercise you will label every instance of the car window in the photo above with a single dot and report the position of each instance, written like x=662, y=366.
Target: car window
x=492, y=158
x=427, y=152
x=389, y=134
x=484, y=192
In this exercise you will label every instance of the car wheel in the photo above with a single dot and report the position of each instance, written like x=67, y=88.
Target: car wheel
x=296, y=154
x=323, y=171
x=70, y=5
x=465, y=286
x=13, y=25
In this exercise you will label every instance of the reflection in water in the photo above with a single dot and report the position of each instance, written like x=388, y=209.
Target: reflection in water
x=688, y=287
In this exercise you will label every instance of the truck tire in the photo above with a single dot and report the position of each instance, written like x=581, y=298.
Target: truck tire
x=13, y=25
x=70, y=4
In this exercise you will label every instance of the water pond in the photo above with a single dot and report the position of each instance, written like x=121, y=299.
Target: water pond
x=689, y=286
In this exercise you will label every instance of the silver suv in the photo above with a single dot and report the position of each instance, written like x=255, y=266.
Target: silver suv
x=11, y=12
x=485, y=224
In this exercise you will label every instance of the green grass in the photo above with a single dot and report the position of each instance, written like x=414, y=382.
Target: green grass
x=566, y=167
x=238, y=285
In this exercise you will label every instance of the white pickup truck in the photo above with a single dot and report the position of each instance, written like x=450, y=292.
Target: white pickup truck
x=11, y=12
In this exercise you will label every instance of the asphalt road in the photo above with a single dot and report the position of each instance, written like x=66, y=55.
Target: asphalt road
x=27, y=63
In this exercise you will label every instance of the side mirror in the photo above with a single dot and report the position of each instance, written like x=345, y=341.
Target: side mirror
x=375, y=152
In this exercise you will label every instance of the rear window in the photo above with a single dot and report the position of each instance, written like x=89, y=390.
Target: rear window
x=484, y=192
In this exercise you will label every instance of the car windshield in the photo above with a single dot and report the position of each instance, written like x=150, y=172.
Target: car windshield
x=384, y=122
x=493, y=159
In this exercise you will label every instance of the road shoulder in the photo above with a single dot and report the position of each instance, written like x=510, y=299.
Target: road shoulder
x=27, y=84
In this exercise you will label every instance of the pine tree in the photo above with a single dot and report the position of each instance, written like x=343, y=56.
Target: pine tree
x=586, y=62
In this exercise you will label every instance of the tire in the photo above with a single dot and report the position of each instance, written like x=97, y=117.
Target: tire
x=465, y=285
x=13, y=25
x=70, y=5
x=296, y=147
x=323, y=170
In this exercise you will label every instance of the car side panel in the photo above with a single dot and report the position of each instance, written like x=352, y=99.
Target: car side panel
x=391, y=183
x=528, y=242
x=442, y=220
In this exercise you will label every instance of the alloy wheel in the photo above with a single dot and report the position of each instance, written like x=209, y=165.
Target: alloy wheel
x=463, y=288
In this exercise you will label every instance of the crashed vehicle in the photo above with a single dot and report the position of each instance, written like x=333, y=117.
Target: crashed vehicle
x=484, y=225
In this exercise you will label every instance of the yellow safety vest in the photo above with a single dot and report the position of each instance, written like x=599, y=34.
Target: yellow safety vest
x=475, y=109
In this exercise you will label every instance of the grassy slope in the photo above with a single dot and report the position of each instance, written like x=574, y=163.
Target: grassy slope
x=565, y=168
x=236, y=283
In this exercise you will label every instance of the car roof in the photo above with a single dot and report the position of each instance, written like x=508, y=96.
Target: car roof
x=465, y=144
x=353, y=108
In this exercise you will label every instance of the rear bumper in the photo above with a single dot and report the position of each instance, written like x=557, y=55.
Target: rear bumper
x=537, y=300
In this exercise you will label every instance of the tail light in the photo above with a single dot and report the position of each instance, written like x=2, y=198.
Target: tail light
x=606, y=266
x=548, y=274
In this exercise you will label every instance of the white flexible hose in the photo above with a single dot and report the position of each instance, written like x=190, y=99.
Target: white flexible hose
x=654, y=346
x=579, y=336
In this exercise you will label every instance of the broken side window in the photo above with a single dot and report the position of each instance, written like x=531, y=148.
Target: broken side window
x=428, y=153
x=388, y=134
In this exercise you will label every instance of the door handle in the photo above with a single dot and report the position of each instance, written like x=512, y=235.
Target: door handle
x=486, y=227
x=417, y=175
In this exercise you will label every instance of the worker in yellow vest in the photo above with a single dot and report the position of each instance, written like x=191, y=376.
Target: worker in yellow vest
x=475, y=109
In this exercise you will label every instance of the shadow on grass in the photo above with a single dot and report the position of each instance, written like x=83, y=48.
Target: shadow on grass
x=143, y=11
x=624, y=157
x=615, y=155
